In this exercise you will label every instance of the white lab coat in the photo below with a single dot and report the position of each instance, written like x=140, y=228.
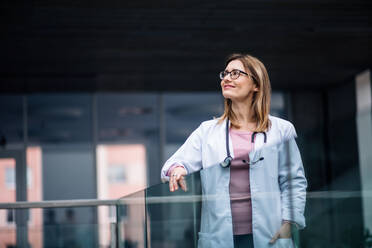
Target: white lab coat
x=270, y=179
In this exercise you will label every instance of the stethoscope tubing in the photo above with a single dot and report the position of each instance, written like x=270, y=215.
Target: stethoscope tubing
x=227, y=161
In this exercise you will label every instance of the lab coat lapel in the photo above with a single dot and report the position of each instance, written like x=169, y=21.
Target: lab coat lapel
x=230, y=141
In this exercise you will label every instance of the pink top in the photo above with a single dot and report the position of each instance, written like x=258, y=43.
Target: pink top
x=241, y=207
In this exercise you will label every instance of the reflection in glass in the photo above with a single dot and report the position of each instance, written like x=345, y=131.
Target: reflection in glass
x=173, y=218
x=63, y=227
x=132, y=222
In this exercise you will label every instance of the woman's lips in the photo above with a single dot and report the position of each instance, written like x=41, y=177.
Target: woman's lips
x=228, y=87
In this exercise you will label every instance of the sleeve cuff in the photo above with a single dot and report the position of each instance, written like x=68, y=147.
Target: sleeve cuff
x=165, y=175
x=173, y=167
x=291, y=222
x=296, y=218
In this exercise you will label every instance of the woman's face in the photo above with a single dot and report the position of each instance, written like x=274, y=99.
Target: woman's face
x=239, y=89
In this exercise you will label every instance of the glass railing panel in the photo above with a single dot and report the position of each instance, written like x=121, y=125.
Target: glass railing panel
x=70, y=235
x=131, y=221
x=59, y=227
x=203, y=216
x=107, y=226
x=69, y=227
x=325, y=212
x=208, y=214
x=173, y=218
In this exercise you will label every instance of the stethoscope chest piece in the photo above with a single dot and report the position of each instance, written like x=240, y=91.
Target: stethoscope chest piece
x=226, y=162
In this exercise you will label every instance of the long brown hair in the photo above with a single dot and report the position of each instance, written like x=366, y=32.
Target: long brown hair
x=261, y=99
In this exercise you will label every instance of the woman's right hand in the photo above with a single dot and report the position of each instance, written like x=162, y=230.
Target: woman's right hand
x=177, y=179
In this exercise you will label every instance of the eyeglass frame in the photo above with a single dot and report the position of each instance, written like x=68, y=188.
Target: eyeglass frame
x=229, y=73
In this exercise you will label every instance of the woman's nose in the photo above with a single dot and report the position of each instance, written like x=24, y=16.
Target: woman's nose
x=227, y=78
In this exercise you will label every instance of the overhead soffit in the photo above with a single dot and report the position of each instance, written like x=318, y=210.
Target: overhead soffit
x=180, y=46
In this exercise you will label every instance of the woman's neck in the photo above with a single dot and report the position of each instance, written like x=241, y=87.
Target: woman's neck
x=244, y=115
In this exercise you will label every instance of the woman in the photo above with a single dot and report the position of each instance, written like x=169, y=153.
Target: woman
x=258, y=193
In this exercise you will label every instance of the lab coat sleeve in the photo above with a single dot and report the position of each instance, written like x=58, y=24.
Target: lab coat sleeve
x=189, y=155
x=292, y=181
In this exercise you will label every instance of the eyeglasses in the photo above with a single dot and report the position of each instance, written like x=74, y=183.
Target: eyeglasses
x=234, y=74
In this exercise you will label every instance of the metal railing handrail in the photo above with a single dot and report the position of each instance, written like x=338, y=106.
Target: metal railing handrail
x=140, y=200
x=58, y=204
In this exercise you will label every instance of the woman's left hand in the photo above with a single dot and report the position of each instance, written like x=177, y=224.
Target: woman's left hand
x=284, y=232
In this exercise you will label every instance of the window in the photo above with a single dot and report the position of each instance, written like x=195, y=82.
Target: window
x=10, y=216
x=10, y=178
x=112, y=213
x=123, y=212
x=29, y=177
x=116, y=174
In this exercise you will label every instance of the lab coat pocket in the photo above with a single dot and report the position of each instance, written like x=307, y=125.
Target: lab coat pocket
x=284, y=243
x=204, y=240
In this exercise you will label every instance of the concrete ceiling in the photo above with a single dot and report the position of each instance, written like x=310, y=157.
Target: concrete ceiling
x=162, y=45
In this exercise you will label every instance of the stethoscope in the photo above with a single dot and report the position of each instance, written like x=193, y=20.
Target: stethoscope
x=227, y=161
